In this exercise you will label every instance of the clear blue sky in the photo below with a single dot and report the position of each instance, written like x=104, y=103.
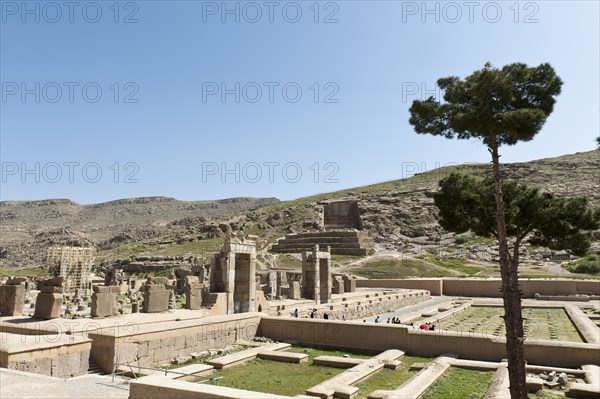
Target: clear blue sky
x=173, y=56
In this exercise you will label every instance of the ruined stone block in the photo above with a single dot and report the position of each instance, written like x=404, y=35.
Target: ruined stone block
x=193, y=292
x=156, y=300
x=12, y=299
x=349, y=284
x=294, y=291
x=338, y=285
x=104, y=304
x=47, y=305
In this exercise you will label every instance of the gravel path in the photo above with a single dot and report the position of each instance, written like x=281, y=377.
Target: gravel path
x=20, y=385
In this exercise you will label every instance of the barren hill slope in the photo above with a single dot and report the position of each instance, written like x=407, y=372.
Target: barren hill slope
x=28, y=227
x=399, y=216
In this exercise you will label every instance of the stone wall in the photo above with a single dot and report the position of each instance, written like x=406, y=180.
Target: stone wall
x=151, y=345
x=380, y=337
x=56, y=356
x=488, y=287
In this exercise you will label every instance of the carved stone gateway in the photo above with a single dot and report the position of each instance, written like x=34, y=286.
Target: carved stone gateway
x=233, y=271
x=316, y=275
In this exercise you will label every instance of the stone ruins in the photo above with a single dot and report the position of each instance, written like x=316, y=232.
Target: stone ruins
x=73, y=264
x=222, y=314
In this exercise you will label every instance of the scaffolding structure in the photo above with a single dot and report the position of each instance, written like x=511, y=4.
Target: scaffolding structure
x=72, y=263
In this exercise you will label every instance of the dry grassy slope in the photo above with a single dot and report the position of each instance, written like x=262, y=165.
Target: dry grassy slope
x=399, y=214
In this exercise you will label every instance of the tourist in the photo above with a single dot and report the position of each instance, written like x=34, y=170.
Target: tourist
x=312, y=315
x=432, y=327
x=389, y=320
x=325, y=316
x=424, y=326
x=295, y=312
x=377, y=319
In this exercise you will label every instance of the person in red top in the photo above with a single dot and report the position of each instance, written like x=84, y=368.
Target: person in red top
x=424, y=326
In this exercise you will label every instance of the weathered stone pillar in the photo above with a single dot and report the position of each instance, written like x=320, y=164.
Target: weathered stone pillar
x=349, y=284
x=49, y=300
x=294, y=292
x=338, y=285
x=193, y=293
x=156, y=296
x=12, y=297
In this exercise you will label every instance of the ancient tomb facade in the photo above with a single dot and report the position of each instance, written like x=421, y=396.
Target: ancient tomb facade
x=233, y=272
x=316, y=275
x=341, y=214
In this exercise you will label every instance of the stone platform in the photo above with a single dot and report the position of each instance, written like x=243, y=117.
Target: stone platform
x=62, y=356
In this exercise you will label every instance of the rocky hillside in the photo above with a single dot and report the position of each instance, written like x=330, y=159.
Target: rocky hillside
x=27, y=228
x=398, y=215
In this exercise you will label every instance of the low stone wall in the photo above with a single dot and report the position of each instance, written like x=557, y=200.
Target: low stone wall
x=474, y=287
x=56, y=356
x=380, y=337
x=149, y=345
x=158, y=387
x=372, y=304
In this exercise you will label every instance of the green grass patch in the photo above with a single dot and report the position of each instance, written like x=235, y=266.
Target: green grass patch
x=588, y=265
x=390, y=379
x=23, y=272
x=399, y=268
x=560, y=276
x=460, y=265
x=285, y=261
x=129, y=251
x=540, y=323
x=313, y=352
x=457, y=383
x=545, y=394
x=274, y=377
x=283, y=378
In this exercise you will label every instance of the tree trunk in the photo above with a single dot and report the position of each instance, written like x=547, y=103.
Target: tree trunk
x=511, y=293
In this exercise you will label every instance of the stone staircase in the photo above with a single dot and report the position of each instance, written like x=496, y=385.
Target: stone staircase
x=94, y=368
x=342, y=242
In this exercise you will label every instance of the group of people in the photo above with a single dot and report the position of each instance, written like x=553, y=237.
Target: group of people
x=427, y=326
x=392, y=320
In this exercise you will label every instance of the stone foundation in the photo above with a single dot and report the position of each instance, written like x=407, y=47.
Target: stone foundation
x=61, y=356
x=155, y=344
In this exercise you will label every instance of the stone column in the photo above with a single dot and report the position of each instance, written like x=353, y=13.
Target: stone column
x=252, y=306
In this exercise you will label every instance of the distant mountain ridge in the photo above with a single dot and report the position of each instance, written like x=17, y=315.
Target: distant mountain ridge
x=26, y=226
